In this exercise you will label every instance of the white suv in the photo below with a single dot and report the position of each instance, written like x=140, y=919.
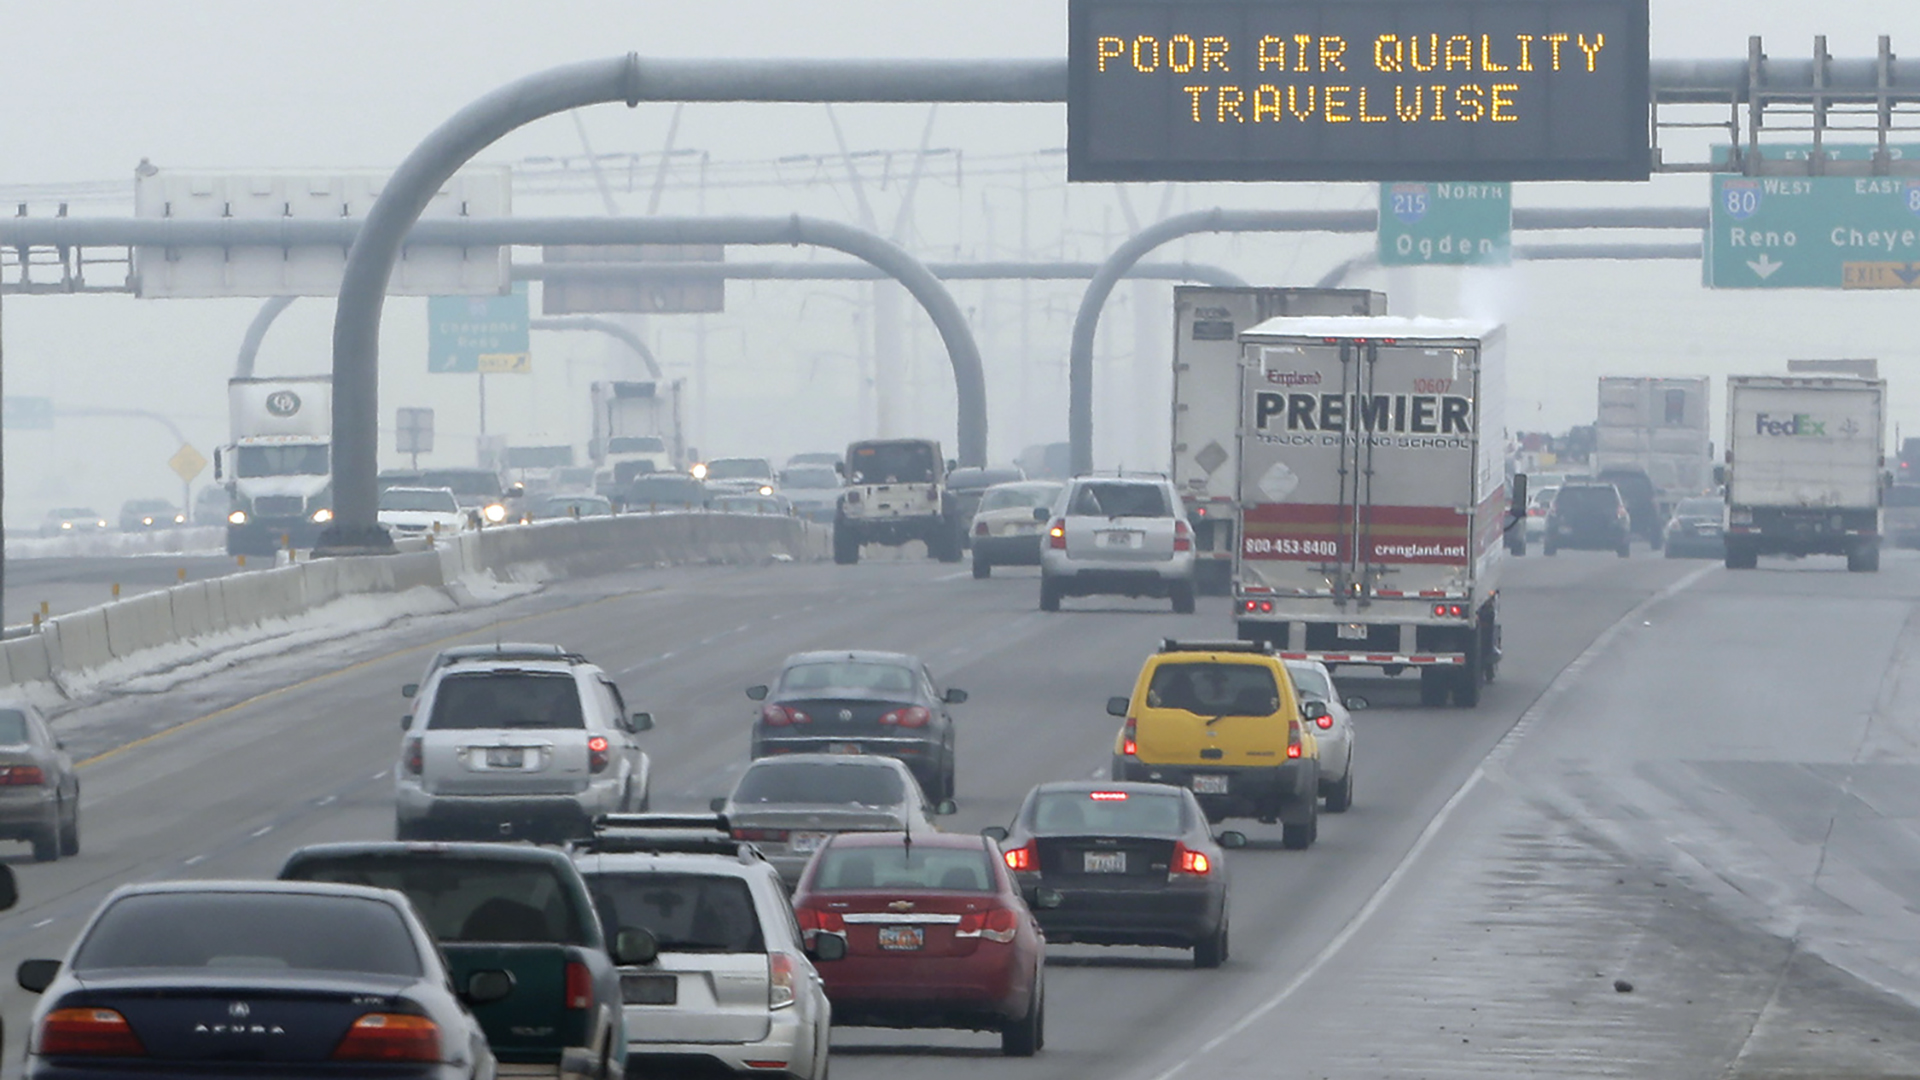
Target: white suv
x=518, y=748
x=732, y=988
x=1111, y=535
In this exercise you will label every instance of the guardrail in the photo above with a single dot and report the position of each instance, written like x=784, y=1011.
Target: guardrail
x=120, y=633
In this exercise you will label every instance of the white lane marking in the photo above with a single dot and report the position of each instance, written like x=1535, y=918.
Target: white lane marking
x=328, y=799
x=195, y=861
x=261, y=831
x=42, y=922
x=955, y=576
x=379, y=774
x=1500, y=750
x=1098, y=773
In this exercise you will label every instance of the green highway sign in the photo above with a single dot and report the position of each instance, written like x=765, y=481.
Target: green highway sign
x=1814, y=232
x=486, y=334
x=1723, y=153
x=1446, y=224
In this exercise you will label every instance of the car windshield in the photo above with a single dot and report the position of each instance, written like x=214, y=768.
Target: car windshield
x=810, y=477
x=506, y=699
x=1544, y=496
x=13, y=728
x=868, y=867
x=1214, y=689
x=636, y=444
x=1021, y=497
x=1120, y=500
x=250, y=931
x=462, y=898
x=255, y=461
x=739, y=468
x=1126, y=813
x=683, y=912
x=891, y=463
x=1310, y=682
x=1700, y=508
x=437, y=502
x=847, y=675
x=1588, y=499
x=821, y=782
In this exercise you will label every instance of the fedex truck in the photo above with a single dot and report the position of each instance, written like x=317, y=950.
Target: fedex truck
x=278, y=469
x=1207, y=321
x=1805, y=468
x=1374, y=509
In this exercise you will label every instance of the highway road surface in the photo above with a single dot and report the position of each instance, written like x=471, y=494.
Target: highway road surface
x=1715, y=750
x=66, y=584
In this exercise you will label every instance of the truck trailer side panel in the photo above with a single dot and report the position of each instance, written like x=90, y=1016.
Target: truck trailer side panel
x=1806, y=468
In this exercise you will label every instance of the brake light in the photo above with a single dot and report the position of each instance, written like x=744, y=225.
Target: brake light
x=1188, y=861
x=760, y=834
x=1057, y=535
x=980, y=529
x=1129, y=738
x=1325, y=722
x=1182, y=536
x=999, y=925
x=1293, y=738
x=415, y=756
x=1026, y=857
x=1448, y=611
x=781, y=716
x=87, y=1033
x=597, y=756
x=1264, y=607
x=22, y=776
x=911, y=716
x=579, y=985
x=780, y=980
x=813, y=919
x=1107, y=796
x=390, y=1037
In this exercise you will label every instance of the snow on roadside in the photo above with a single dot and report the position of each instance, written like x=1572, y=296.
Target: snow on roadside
x=198, y=540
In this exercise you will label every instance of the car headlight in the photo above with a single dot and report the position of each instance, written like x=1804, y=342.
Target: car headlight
x=179, y=519
x=322, y=516
x=238, y=517
x=146, y=521
x=495, y=513
x=66, y=524
x=699, y=470
x=102, y=523
x=766, y=489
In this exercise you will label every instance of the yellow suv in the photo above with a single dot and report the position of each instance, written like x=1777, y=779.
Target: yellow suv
x=1221, y=719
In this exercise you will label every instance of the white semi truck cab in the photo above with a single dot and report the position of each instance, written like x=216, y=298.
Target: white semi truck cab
x=278, y=467
x=1374, y=510
x=1806, y=468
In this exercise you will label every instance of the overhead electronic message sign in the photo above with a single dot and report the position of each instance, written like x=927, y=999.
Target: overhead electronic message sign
x=1357, y=90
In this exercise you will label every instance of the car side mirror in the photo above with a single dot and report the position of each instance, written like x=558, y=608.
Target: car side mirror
x=406, y=723
x=642, y=721
x=633, y=946
x=954, y=697
x=995, y=833
x=945, y=808
x=1117, y=706
x=952, y=464
x=409, y=689
x=1232, y=840
x=1314, y=710
x=717, y=803
x=1719, y=476
x=1041, y=513
x=1355, y=703
x=828, y=948
x=757, y=693
x=1520, y=493
x=1048, y=899
x=34, y=976
x=487, y=986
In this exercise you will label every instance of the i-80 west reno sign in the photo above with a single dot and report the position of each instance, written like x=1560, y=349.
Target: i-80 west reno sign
x=1357, y=90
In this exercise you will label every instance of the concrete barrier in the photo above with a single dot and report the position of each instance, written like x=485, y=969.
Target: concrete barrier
x=139, y=623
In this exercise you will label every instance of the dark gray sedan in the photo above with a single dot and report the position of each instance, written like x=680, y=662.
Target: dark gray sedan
x=39, y=791
x=860, y=702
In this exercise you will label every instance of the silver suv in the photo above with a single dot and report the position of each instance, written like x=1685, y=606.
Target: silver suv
x=732, y=988
x=1111, y=535
x=518, y=747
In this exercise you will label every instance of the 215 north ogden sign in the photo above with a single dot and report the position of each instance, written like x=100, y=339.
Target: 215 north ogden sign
x=1357, y=90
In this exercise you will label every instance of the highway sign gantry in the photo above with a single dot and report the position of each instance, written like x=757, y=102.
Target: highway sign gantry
x=1814, y=232
x=1446, y=224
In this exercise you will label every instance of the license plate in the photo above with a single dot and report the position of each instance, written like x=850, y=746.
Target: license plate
x=1117, y=539
x=1351, y=631
x=506, y=757
x=902, y=938
x=650, y=989
x=1026, y=526
x=1105, y=862
x=1210, y=785
x=806, y=841
x=843, y=748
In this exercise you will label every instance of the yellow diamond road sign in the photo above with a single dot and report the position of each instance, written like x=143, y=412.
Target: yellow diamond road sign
x=186, y=462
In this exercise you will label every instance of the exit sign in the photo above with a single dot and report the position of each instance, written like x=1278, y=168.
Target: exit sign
x=1446, y=224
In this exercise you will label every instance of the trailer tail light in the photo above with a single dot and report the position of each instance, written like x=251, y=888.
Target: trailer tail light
x=598, y=757
x=1182, y=536
x=1057, y=534
x=999, y=925
x=1026, y=857
x=87, y=1032
x=1188, y=861
x=390, y=1037
x=579, y=985
x=1262, y=607
x=781, y=716
x=1449, y=611
x=1129, y=738
x=910, y=717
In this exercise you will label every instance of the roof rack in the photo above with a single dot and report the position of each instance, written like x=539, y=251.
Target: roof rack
x=508, y=650
x=1172, y=645
x=666, y=834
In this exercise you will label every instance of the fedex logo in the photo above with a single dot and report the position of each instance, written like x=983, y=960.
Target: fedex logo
x=1797, y=424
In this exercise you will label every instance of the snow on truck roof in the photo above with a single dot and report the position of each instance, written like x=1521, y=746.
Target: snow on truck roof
x=1372, y=326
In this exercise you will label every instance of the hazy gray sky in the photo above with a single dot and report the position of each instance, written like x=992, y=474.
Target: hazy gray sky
x=95, y=85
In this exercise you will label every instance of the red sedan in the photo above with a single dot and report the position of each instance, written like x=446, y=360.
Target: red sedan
x=936, y=933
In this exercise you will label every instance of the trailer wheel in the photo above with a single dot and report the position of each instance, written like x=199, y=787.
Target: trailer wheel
x=1741, y=557
x=1864, y=559
x=846, y=546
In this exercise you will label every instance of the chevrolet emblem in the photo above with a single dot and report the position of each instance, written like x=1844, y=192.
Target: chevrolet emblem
x=900, y=905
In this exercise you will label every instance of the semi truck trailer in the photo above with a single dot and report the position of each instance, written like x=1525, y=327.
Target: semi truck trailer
x=1806, y=468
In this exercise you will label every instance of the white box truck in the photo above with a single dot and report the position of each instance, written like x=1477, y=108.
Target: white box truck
x=1207, y=321
x=1375, y=514
x=278, y=469
x=636, y=430
x=1806, y=469
x=1651, y=440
